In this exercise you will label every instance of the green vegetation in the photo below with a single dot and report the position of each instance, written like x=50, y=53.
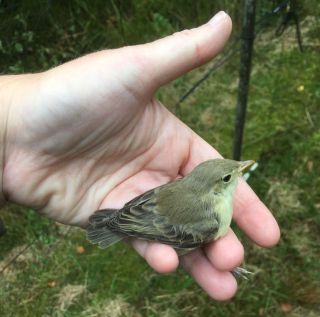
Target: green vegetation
x=60, y=274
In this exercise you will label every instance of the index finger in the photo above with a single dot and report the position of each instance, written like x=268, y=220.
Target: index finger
x=253, y=217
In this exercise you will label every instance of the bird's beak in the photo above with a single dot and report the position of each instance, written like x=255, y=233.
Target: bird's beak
x=243, y=165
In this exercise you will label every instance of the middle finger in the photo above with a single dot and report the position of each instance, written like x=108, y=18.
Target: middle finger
x=226, y=253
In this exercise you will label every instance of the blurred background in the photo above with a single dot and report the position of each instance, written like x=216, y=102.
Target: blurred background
x=47, y=269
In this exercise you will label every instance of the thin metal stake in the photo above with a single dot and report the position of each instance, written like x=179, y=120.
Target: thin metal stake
x=247, y=40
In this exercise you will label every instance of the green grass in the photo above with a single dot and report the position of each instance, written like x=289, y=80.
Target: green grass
x=52, y=278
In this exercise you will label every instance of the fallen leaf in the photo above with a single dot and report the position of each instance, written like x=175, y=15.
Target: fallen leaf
x=286, y=307
x=52, y=283
x=80, y=249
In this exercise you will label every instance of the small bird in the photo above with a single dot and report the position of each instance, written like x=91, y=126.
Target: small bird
x=185, y=213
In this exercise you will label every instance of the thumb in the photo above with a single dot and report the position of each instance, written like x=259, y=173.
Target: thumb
x=172, y=56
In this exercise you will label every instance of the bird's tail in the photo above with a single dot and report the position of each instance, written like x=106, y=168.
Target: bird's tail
x=98, y=232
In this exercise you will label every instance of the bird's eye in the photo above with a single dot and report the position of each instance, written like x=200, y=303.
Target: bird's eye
x=226, y=178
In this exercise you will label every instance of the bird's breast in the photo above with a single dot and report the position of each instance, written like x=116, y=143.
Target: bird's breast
x=224, y=209
x=221, y=210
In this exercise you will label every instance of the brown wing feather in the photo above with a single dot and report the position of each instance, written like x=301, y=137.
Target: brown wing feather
x=146, y=196
x=140, y=218
x=142, y=221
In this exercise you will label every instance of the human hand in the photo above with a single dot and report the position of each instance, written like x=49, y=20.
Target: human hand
x=89, y=134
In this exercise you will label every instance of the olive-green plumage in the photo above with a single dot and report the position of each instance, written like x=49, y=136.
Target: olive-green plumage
x=185, y=213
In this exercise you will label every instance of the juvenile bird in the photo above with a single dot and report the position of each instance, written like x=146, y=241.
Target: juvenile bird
x=185, y=213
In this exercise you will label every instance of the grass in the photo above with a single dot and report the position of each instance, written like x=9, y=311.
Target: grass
x=60, y=274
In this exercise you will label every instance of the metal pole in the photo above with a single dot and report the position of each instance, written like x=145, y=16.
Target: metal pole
x=247, y=39
x=2, y=228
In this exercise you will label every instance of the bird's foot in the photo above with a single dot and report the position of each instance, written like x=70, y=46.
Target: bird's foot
x=240, y=272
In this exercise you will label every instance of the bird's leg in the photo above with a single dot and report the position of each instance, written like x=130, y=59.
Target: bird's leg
x=240, y=272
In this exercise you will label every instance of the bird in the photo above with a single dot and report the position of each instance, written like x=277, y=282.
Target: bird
x=185, y=213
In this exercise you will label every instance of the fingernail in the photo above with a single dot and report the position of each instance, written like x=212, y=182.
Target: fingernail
x=218, y=18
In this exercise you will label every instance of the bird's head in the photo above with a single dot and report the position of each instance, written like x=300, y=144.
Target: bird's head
x=219, y=175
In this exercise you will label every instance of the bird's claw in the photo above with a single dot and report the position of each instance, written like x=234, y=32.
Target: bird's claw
x=240, y=272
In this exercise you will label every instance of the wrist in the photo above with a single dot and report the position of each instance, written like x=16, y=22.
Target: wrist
x=10, y=94
x=5, y=97
x=16, y=92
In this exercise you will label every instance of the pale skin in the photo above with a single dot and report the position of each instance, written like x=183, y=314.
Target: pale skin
x=89, y=135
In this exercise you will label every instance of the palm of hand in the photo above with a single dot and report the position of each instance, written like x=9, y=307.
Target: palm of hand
x=94, y=151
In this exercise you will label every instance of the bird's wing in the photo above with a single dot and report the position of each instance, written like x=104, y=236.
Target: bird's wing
x=144, y=222
x=141, y=198
x=148, y=195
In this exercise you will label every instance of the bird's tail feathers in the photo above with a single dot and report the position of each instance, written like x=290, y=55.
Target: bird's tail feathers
x=103, y=237
x=97, y=231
